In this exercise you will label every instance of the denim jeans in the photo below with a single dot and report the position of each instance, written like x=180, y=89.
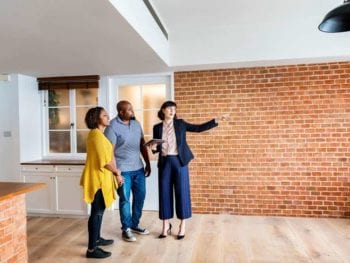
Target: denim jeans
x=135, y=182
x=95, y=219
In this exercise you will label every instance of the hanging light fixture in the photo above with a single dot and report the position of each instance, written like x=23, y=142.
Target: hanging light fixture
x=337, y=20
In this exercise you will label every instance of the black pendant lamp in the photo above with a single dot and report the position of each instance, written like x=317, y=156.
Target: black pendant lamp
x=337, y=20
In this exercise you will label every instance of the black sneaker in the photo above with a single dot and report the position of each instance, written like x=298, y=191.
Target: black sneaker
x=140, y=231
x=98, y=253
x=104, y=242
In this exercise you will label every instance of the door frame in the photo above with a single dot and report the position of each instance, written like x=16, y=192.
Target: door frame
x=151, y=201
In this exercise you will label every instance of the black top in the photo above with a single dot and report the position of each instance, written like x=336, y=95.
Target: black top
x=181, y=127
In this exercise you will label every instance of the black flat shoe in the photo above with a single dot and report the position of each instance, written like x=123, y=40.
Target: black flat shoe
x=168, y=232
x=98, y=253
x=104, y=242
x=179, y=237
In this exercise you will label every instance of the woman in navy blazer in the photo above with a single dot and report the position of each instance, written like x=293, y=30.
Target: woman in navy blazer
x=174, y=156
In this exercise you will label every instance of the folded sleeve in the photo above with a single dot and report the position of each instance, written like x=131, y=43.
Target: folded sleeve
x=110, y=134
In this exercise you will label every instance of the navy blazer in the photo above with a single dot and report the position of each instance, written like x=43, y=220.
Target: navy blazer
x=181, y=127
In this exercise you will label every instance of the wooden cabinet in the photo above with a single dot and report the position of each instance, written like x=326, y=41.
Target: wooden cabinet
x=63, y=196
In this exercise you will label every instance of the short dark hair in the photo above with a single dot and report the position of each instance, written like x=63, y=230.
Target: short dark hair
x=165, y=105
x=92, y=117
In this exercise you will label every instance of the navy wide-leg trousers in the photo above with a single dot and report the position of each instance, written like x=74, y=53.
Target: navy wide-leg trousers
x=174, y=177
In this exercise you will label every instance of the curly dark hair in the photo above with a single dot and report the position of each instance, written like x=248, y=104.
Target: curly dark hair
x=165, y=105
x=92, y=117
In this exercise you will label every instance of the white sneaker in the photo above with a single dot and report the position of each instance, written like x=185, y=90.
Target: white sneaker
x=128, y=236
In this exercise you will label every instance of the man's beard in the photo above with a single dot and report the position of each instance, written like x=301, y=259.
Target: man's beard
x=123, y=119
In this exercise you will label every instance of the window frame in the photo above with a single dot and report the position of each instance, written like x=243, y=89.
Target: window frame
x=73, y=130
x=116, y=81
x=138, y=80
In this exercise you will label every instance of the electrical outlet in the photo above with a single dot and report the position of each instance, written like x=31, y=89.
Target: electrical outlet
x=7, y=134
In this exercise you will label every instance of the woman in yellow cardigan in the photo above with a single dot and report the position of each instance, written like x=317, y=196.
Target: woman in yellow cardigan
x=99, y=179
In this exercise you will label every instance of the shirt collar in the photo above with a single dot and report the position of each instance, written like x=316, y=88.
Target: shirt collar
x=121, y=122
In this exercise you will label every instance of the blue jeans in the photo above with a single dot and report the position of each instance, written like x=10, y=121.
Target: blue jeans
x=95, y=219
x=136, y=182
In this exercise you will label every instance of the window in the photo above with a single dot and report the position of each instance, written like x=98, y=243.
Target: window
x=146, y=101
x=65, y=110
x=65, y=103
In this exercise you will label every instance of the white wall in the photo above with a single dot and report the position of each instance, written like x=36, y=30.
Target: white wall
x=30, y=129
x=9, y=116
x=21, y=117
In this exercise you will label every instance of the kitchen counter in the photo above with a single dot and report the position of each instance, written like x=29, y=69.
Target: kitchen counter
x=55, y=162
x=13, y=220
x=9, y=190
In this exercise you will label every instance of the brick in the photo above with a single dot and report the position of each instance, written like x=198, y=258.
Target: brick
x=285, y=150
x=13, y=242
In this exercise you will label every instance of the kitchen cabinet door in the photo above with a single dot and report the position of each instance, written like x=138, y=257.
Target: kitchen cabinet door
x=40, y=201
x=69, y=195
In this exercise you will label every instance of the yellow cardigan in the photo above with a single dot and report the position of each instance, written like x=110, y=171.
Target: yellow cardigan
x=99, y=152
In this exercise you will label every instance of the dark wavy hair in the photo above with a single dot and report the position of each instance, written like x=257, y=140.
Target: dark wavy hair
x=165, y=105
x=92, y=117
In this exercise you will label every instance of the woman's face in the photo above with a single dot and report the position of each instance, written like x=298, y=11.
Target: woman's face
x=169, y=112
x=104, y=119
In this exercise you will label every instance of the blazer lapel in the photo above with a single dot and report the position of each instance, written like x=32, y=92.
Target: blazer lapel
x=159, y=136
x=160, y=131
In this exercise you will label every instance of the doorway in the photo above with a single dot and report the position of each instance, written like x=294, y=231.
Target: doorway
x=146, y=94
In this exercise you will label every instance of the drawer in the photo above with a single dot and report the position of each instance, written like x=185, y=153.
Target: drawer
x=38, y=168
x=70, y=168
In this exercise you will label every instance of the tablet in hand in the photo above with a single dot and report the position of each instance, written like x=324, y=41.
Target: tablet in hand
x=154, y=141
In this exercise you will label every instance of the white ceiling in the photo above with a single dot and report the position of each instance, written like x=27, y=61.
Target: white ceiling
x=236, y=33
x=70, y=37
x=80, y=37
x=188, y=15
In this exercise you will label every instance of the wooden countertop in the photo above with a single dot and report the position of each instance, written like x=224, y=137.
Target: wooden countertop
x=55, y=162
x=9, y=189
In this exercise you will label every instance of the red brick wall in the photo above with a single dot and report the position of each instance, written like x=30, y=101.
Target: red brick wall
x=286, y=149
x=13, y=236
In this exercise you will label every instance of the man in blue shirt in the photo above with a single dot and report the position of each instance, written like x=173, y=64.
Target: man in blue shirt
x=126, y=135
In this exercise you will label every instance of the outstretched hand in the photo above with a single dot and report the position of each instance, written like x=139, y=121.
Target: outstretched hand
x=224, y=117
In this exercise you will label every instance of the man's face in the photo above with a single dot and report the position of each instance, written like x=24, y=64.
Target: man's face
x=127, y=112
